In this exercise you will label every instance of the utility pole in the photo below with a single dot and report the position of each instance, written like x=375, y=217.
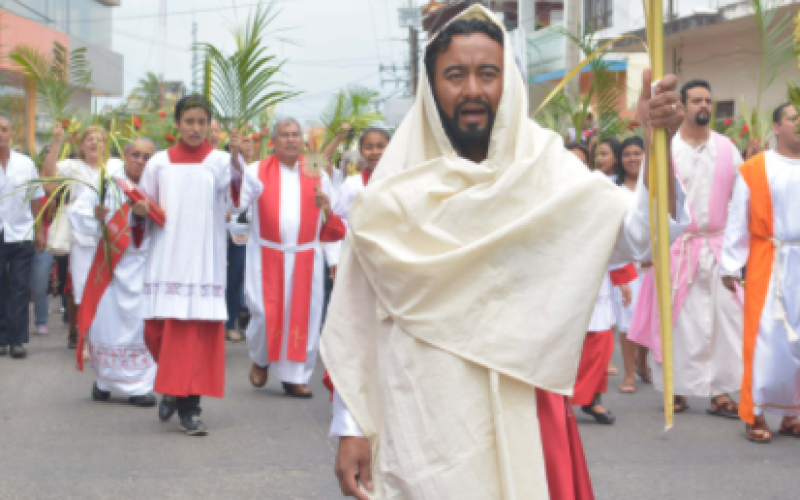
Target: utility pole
x=671, y=13
x=571, y=55
x=413, y=66
x=195, y=61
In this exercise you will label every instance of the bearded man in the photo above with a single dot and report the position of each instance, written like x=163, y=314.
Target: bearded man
x=465, y=287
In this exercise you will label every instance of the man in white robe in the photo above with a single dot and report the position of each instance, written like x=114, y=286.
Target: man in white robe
x=115, y=329
x=475, y=221
x=284, y=283
x=708, y=321
x=763, y=233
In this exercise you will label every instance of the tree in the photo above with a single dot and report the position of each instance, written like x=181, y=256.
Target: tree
x=56, y=76
x=354, y=106
x=149, y=91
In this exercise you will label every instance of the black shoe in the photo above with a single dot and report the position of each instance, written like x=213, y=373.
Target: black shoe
x=192, y=425
x=167, y=408
x=606, y=418
x=143, y=401
x=98, y=395
x=18, y=352
x=3, y=350
x=72, y=341
x=244, y=320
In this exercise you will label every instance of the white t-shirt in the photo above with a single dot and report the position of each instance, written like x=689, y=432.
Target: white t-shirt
x=16, y=218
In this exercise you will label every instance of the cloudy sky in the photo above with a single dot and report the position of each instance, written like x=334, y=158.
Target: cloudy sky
x=337, y=42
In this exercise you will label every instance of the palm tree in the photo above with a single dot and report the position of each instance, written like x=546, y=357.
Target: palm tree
x=241, y=86
x=56, y=76
x=354, y=106
x=149, y=91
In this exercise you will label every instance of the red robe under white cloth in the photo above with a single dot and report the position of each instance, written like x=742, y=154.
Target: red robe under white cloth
x=184, y=283
x=284, y=285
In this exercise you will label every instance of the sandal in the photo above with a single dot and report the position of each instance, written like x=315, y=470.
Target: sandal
x=792, y=430
x=759, y=427
x=727, y=408
x=297, y=390
x=681, y=404
x=612, y=369
x=627, y=387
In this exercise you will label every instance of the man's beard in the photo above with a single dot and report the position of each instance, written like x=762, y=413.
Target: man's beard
x=473, y=137
x=702, y=118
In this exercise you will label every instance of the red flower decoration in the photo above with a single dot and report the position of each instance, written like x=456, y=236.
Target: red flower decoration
x=137, y=123
x=162, y=114
x=632, y=126
x=65, y=123
x=745, y=131
x=170, y=138
x=729, y=122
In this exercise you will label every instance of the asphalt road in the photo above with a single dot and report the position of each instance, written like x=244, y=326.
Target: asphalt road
x=55, y=443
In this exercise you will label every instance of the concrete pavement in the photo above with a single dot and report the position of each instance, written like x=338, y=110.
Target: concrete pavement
x=58, y=444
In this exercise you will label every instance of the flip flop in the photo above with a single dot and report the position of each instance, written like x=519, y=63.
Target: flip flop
x=627, y=388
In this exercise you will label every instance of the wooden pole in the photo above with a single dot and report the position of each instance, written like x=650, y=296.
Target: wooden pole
x=30, y=115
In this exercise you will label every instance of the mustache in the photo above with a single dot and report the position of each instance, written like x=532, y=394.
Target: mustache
x=480, y=102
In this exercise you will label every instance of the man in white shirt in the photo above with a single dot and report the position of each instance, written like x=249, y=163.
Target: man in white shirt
x=16, y=246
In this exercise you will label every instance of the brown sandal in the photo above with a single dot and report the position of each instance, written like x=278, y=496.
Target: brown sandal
x=297, y=390
x=792, y=430
x=681, y=404
x=727, y=408
x=759, y=426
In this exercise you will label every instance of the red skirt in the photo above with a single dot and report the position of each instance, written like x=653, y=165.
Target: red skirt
x=593, y=368
x=565, y=465
x=190, y=355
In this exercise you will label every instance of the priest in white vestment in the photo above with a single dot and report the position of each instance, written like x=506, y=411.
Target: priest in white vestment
x=114, y=326
x=708, y=320
x=763, y=233
x=465, y=286
x=284, y=282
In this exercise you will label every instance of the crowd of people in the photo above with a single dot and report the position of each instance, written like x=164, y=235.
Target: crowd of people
x=456, y=230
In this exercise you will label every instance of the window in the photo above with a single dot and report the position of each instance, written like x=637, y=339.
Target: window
x=723, y=111
x=597, y=14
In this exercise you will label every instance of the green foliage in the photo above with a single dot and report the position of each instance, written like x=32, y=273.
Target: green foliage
x=149, y=91
x=56, y=76
x=244, y=84
x=354, y=106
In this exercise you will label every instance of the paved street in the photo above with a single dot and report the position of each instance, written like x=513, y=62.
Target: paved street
x=58, y=444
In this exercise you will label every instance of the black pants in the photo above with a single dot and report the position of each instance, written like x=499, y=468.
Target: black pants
x=15, y=291
x=187, y=405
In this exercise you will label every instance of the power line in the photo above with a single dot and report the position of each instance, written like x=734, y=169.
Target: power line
x=179, y=13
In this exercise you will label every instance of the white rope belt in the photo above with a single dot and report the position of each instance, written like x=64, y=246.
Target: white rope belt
x=685, y=238
x=287, y=248
x=780, y=310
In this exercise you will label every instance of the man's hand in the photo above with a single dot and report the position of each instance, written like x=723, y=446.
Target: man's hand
x=58, y=134
x=730, y=283
x=646, y=264
x=753, y=149
x=345, y=129
x=627, y=294
x=662, y=108
x=323, y=202
x=100, y=212
x=353, y=465
x=332, y=270
x=141, y=208
x=40, y=240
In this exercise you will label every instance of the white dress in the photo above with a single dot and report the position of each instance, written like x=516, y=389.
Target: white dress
x=708, y=333
x=621, y=313
x=292, y=372
x=776, y=361
x=119, y=357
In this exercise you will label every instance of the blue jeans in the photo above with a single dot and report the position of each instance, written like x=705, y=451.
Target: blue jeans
x=40, y=281
x=234, y=289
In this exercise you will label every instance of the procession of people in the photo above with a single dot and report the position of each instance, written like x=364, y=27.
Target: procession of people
x=461, y=278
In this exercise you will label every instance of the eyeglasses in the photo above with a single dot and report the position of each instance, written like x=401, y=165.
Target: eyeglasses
x=138, y=155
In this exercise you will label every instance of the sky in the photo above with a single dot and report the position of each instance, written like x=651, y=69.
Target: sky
x=336, y=43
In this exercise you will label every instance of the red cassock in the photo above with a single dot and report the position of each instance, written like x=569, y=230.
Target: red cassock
x=598, y=348
x=190, y=353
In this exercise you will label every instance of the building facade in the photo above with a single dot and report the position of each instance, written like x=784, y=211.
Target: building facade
x=39, y=23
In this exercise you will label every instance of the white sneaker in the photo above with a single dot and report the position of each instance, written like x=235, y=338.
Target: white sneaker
x=42, y=330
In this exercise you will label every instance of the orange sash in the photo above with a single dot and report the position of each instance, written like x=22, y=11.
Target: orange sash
x=759, y=271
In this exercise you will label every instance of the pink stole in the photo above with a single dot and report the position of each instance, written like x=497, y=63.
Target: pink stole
x=272, y=263
x=685, y=253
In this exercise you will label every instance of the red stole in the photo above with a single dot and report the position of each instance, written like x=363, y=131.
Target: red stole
x=183, y=153
x=269, y=216
x=366, y=174
x=102, y=272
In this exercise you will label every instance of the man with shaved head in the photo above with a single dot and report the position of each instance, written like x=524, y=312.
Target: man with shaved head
x=109, y=314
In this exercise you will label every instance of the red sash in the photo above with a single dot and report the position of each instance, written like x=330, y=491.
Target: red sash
x=269, y=215
x=101, y=273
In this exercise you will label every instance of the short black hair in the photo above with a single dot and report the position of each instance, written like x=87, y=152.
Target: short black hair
x=619, y=170
x=192, y=101
x=777, y=115
x=441, y=41
x=615, y=145
x=370, y=130
x=697, y=82
x=572, y=146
